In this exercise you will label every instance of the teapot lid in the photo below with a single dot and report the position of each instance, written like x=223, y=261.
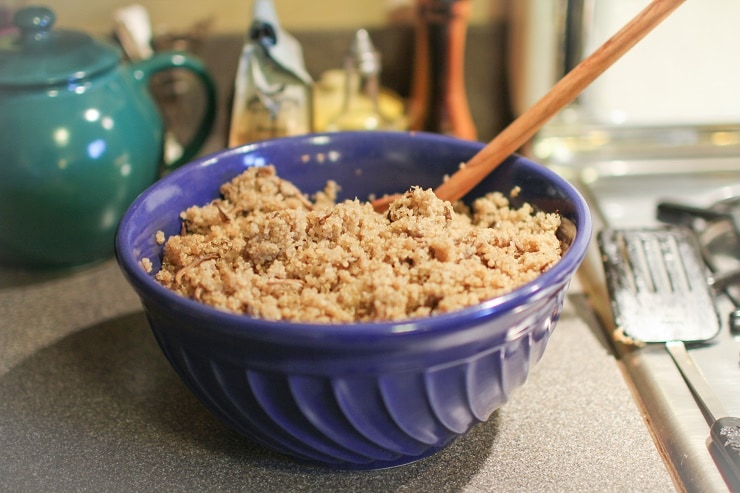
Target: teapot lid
x=42, y=56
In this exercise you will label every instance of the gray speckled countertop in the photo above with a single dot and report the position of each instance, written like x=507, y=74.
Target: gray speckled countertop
x=89, y=403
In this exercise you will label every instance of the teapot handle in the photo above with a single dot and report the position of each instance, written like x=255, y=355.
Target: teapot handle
x=144, y=70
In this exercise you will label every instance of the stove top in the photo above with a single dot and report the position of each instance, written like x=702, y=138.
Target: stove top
x=701, y=194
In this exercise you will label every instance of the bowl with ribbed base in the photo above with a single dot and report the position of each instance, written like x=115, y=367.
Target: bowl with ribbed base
x=353, y=395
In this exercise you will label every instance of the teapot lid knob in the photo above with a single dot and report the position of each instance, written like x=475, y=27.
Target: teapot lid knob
x=42, y=55
x=34, y=23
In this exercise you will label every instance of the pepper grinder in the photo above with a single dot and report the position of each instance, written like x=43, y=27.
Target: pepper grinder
x=438, y=100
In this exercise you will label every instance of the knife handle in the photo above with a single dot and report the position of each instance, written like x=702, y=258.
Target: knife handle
x=726, y=435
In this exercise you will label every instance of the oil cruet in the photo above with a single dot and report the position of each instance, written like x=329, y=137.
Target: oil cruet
x=80, y=138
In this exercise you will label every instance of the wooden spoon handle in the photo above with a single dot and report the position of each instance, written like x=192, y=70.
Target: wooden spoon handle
x=528, y=123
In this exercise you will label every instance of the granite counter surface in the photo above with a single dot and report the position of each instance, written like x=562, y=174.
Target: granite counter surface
x=89, y=403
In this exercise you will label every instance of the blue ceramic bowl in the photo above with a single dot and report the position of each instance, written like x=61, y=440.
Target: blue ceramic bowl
x=367, y=395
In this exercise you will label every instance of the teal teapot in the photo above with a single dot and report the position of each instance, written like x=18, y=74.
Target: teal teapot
x=80, y=138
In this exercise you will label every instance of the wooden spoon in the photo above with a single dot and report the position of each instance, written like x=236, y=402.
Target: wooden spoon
x=528, y=123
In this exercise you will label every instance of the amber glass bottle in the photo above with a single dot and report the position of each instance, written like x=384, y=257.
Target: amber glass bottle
x=438, y=100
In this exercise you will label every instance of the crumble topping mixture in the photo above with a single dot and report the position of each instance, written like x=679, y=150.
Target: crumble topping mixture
x=266, y=250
